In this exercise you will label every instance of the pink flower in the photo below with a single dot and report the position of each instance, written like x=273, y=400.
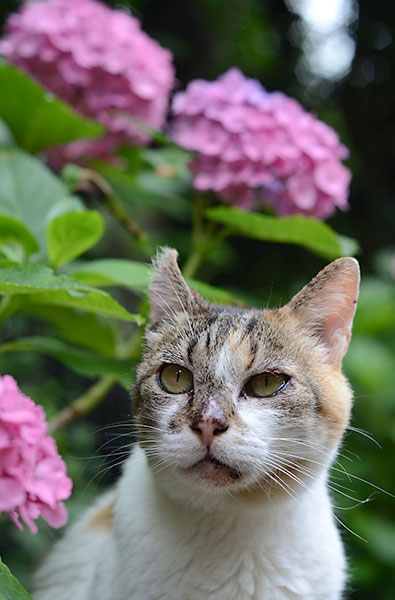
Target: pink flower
x=96, y=59
x=33, y=480
x=258, y=147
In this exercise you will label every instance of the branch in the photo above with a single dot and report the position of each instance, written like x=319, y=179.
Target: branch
x=82, y=405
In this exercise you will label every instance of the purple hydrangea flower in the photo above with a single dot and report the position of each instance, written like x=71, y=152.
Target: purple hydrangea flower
x=96, y=59
x=258, y=147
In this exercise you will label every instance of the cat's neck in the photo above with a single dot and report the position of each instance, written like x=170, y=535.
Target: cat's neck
x=277, y=542
x=139, y=477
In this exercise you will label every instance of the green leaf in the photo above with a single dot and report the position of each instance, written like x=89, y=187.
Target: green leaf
x=12, y=230
x=35, y=117
x=81, y=361
x=86, y=330
x=10, y=588
x=376, y=308
x=72, y=234
x=113, y=271
x=349, y=246
x=30, y=193
x=136, y=276
x=97, y=302
x=308, y=232
x=26, y=279
x=145, y=190
x=39, y=285
x=213, y=293
x=370, y=363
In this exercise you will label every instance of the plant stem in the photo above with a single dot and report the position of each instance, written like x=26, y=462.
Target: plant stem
x=88, y=180
x=138, y=234
x=193, y=263
x=85, y=403
x=204, y=238
x=8, y=306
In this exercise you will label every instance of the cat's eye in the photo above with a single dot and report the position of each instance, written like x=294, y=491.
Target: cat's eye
x=175, y=379
x=266, y=384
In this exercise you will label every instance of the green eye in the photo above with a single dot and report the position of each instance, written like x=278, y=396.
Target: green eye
x=266, y=384
x=176, y=379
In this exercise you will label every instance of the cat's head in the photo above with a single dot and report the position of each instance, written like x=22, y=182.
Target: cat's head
x=243, y=402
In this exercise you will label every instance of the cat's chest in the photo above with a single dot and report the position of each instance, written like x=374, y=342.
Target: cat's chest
x=173, y=557
x=164, y=551
x=192, y=560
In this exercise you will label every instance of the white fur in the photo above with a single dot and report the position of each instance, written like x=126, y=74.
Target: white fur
x=161, y=549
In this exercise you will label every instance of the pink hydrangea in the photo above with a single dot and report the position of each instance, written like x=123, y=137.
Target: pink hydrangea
x=96, y=59
x=33, y=480
x=258, y=147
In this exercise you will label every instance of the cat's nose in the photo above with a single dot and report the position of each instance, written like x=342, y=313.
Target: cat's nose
x=210, y=423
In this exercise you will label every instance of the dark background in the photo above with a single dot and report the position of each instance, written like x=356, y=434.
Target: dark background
x=275, y=42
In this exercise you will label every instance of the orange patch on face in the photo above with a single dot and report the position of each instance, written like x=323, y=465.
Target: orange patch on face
x=102, y=518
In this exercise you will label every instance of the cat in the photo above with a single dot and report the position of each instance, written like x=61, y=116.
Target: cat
x=238, y=414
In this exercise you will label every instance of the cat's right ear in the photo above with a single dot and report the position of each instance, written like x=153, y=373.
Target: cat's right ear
x=169, y=292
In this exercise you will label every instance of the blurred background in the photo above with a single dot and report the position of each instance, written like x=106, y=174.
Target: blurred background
x=337, y=58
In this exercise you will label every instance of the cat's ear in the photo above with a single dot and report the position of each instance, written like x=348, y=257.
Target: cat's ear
x=326, y=306
x=169, y=292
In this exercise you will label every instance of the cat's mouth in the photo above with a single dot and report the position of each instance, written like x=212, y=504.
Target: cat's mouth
x=215, y=471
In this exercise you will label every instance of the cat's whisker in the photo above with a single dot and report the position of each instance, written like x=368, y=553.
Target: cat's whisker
x=113, y=426
x=286, y=454
x=349, y=530
x=334, y=486
x=378, y=488
x=364, y=434
x=144, y=427
x=283, y=485
x=285, y=471
x=103, y=471
x=358, y=501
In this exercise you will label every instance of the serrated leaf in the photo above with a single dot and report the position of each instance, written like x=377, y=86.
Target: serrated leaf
x=30, y=193
x=71, y=234
x=35, y=117
x=81, y=361
x=39, y=285
x=308, y=232
x=13, y=230
x=10, y=588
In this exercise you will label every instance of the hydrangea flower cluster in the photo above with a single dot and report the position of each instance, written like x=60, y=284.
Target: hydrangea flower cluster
x=254, y=146
x=96, y=59
x=33, y=480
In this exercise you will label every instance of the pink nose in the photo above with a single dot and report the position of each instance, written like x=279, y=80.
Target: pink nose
x=211, y=423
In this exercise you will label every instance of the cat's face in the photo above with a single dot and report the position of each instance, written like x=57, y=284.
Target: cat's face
x=243, y=402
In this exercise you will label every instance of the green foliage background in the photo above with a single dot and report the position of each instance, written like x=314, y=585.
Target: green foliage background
x=57, y=354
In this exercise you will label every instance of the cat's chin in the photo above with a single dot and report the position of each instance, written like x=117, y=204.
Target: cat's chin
x=214, y=472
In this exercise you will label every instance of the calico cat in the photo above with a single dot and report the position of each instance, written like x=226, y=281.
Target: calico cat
x=239, y=414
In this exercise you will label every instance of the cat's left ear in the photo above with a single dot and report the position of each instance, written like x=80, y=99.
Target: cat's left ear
x=169, y=292
x=326, y=306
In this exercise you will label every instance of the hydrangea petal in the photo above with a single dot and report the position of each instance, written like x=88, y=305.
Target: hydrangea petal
x=253, y=144
x=33, y=480
x=97, y=59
